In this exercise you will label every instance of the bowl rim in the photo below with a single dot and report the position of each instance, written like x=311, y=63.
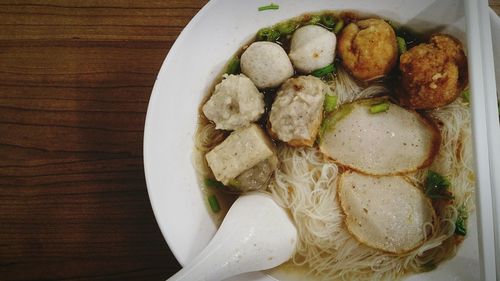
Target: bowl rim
x=147, y=125
x=175, y=49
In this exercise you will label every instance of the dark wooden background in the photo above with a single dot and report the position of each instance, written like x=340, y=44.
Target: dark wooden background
x=75, y=79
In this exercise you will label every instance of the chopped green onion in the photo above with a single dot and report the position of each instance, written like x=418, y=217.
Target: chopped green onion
x=328, y=21
x=233, y=67
x=214, y=183
x=460, y=228
x=271, y=6
x=436, y=186
x=314, y=19
x=325, y=125
x=324, y=71
x=411, y=39
x=461, y=222
x=332, y=118
x=268, y=34
x=338, y=26
x=330, y=103
x=214, y=203
x=234, y=183
x=287, y=27
x=381, y=107
x=401, y=44
x=466, y=95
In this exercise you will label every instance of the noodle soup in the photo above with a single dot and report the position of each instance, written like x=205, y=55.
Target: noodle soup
x=360, y=129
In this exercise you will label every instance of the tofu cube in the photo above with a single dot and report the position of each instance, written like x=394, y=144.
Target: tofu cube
x=240, y=151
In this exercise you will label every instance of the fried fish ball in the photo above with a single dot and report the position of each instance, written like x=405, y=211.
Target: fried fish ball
x=368, y=48
x=433, y=74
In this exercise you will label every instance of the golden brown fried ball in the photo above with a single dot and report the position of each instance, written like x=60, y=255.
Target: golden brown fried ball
x=433, y=74
x=368, y=48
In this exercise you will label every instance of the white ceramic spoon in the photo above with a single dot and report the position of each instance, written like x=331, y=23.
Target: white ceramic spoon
x=256, y=234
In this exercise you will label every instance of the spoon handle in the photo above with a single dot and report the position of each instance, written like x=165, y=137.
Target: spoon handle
x=207, y=266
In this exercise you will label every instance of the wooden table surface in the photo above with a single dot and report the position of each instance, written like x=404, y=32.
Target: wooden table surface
x=75, y=79
x=495, y=5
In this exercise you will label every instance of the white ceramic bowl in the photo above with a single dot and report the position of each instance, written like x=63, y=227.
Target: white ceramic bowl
x=195, y=60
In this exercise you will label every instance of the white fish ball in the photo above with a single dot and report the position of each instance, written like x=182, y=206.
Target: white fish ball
x=312, y=47
x=266, y=64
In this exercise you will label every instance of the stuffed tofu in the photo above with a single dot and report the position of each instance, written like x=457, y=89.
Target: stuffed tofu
x=297, y=110
x=242, y=151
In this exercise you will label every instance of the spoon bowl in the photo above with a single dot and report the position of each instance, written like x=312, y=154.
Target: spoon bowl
x=256, y=234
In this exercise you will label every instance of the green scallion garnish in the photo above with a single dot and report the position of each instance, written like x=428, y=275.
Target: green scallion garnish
x=401, y=44
x=287, y=27
x=332, y=118
x=268, y=34
x=314, y=19
x=213, y=183
x=325, y=125
x=461, y=222
x=338, y=26
x=233, y=67
x=436, y=186
x=330, y=103
x=214, y=203
x=381, y=107
x=466, y=95
x=234, y=183
x=324, y=70
x=271, y=6
x=328, y=21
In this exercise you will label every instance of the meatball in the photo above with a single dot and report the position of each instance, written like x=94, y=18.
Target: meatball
x=312, y=47
x=267, y=64
x=297, y=111
x=433, y=74
x=368, y=48
x=235, y=103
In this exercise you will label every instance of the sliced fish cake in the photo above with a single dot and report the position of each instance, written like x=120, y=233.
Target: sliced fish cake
x=386, y=213
x=394, y=141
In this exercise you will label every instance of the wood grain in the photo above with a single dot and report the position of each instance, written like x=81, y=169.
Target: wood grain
x=75, y=79
x=495, y=5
